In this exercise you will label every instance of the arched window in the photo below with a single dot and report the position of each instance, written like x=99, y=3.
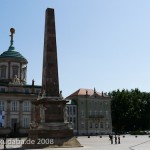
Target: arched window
x=15, y=70
x=3, y=71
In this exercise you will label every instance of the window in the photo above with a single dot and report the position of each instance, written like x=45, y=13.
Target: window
x=14, y=123
x=26, y=122
x=100, y=112
x=82, y=113
x=101, y=124
x=74, y=110
x=90, y=124
x=90, y=104
x=14, y=106
x=106, y=113
x=95, y=113
x=2, y=118
x=37, y=92
x=3, y=72
x=15, y=71
x=96, y=125
x=107, y=125
x=74, y=120
x=26, y=106
x=14, y=90
x=26, y=91
x=90, y=112
x=70, y=110
x=82, y=124
x=70, y=119
x=1, y=106
x=2, y=89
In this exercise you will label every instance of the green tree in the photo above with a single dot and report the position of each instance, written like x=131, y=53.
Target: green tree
x=130, y=110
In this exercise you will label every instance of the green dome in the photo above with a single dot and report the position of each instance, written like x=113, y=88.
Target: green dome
x=12, y=53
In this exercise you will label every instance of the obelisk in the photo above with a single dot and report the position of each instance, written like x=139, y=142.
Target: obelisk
x=50, y=123
x=50, y=81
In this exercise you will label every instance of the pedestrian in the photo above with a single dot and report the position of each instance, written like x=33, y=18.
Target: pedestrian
x=111, y=138
x=4, y=139
x=118, y=139
x=115, y=139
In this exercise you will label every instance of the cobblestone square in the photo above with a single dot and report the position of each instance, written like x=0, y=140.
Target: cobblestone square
x=129, y=142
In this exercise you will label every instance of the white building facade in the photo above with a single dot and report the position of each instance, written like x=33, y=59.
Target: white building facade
x=93, y=112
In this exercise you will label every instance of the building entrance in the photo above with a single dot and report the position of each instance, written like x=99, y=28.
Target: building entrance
x=14, y=124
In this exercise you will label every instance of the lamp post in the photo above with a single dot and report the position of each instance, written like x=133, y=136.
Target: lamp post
x=87, y=118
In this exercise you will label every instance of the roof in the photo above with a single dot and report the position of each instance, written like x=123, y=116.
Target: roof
x=12, y=53
x=83, y=92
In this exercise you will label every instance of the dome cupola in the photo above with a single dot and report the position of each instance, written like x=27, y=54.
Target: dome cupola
x=12, y=64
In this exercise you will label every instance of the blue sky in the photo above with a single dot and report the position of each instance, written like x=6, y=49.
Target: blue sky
x=101, y=43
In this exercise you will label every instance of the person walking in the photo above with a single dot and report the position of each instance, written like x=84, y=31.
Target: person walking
x=4, y=139
x=118, y=139
x=115, y=139
x=111, y=138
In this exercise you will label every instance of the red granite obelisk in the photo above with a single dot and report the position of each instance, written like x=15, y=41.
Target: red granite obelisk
x=50, y=82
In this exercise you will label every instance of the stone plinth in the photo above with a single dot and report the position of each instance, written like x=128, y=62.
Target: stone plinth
x=50, y=125
x=54, y=108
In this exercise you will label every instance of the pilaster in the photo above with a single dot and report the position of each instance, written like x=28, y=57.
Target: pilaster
x=9, y=69
x=20, y=112
x=8, y=114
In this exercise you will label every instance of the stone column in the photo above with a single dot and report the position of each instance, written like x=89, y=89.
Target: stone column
x=20, y=113
x=20, y=71
x=9, y=70
x=32, y=113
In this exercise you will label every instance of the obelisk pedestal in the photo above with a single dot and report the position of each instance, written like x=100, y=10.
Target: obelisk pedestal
x=50, y=127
